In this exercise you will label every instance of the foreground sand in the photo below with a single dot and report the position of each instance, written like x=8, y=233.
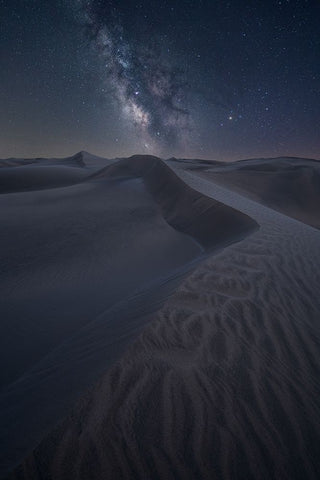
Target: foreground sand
x=224, y=383
x=88, y=254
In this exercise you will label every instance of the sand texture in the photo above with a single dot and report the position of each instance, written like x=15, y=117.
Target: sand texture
x=224, y=383
x=88, y=255
x=289, y=185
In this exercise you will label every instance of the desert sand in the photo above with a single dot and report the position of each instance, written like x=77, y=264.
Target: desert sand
x=287, y=184
x=223, y=381
x=90, y=250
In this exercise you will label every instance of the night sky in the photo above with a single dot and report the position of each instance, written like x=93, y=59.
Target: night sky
x=197, y=78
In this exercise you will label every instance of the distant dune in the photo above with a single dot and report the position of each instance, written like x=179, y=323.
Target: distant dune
x=90, y=250
x=76, y=160
x=289, y=185
x=35, y=177
x=44, y=173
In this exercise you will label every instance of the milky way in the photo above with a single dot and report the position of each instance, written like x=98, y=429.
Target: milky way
x=195, y=78
x=151, y=92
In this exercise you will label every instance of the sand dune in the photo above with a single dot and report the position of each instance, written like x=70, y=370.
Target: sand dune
x=289, y=185
x=183, y=207
x=19, y=175
x=73, y=161
x=34, y=177
x=45, y=173
x=223, y=384
x=15, y=162
x=84, y=267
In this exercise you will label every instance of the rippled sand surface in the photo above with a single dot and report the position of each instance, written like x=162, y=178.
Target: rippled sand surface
x=224, y=383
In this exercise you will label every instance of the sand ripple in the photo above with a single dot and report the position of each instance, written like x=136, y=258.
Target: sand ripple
x=224, y=383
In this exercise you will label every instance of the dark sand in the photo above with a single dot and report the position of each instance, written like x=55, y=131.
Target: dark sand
x=288, y=185
x=88, y=255
x=223, y=383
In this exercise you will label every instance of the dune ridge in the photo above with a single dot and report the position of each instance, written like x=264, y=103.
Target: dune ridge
x=76, y=160
x=84, y=268
x=183, y=207
x=223, y=384
x=287, y=184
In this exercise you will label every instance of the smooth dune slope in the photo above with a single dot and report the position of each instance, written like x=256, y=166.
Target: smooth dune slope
x=19, y=175
x=223, y=384
x=183, y=207
x=73, y=161
x=289, y=185
x=35, y=177
x=83, y=267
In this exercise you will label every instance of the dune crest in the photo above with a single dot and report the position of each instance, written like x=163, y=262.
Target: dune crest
x=223, y=384
x=288, y=185
x=208, y=221
x=84, y=267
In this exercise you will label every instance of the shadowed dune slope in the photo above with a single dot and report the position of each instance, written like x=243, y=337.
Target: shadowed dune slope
x=210, y=222
x=76, y=160
x=16, y=162
x=223, y=384
x=38, y=177
x=83, y=267
x=289, y=185
x=23, y=175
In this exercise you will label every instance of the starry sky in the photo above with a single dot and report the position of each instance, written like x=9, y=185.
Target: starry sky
x=192, y=78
